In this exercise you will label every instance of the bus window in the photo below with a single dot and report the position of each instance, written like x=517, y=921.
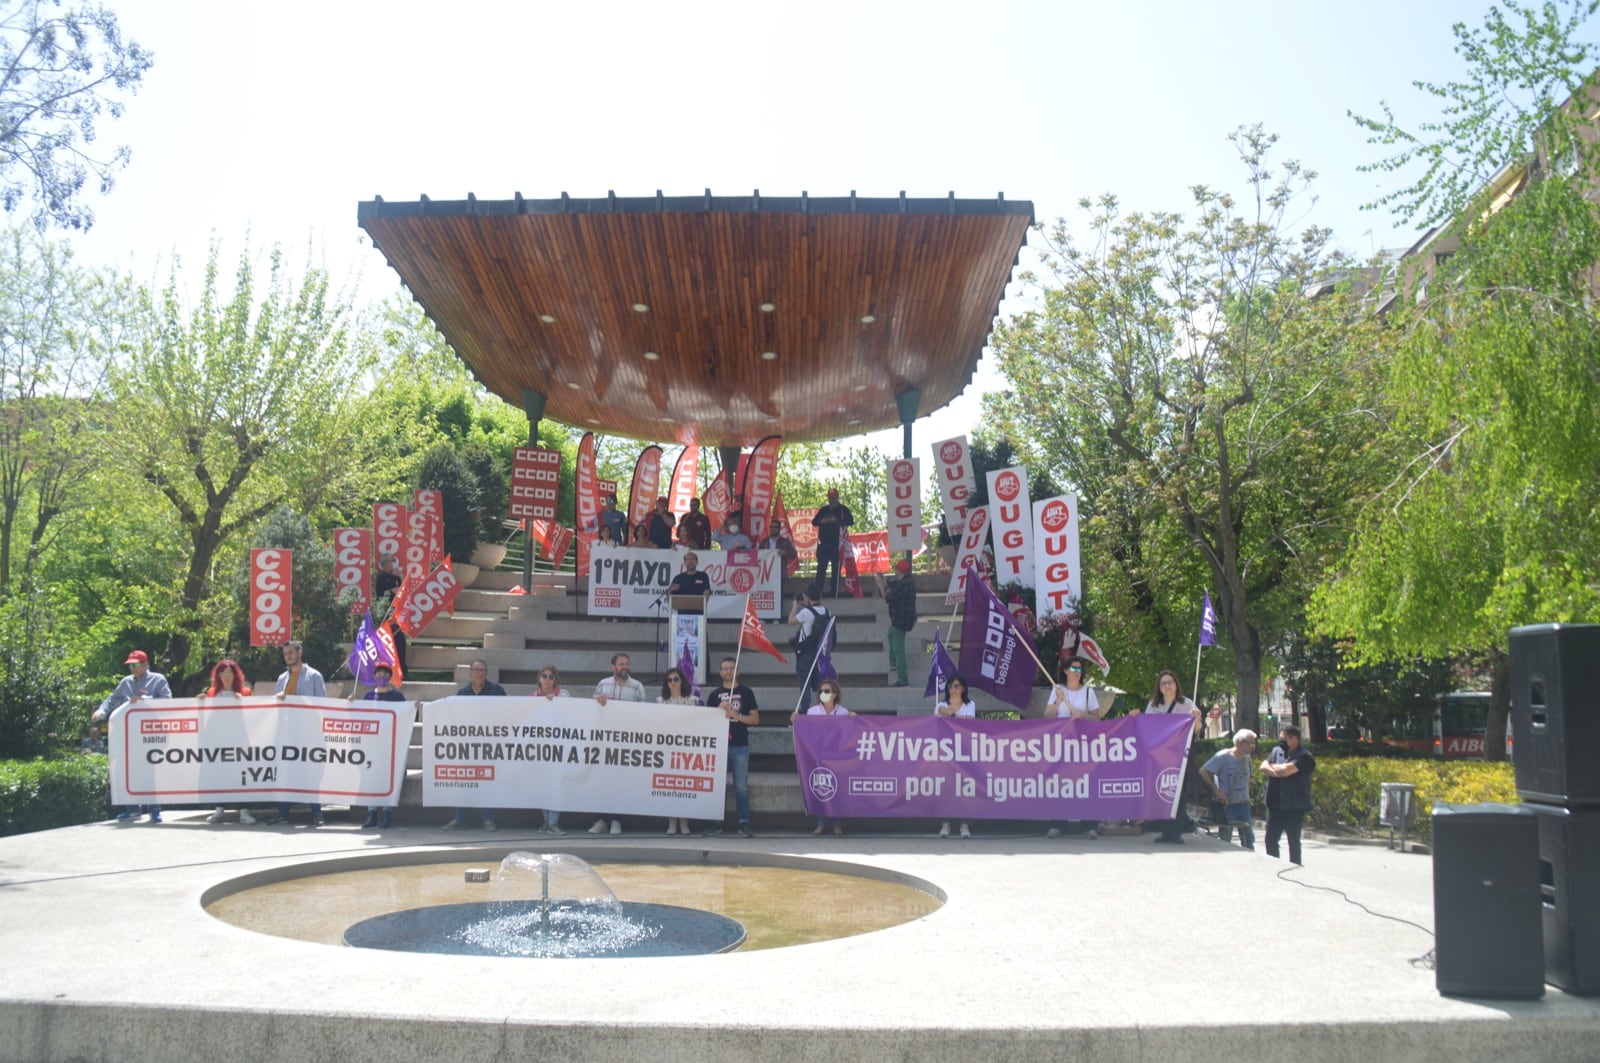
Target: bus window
x=1459, y=724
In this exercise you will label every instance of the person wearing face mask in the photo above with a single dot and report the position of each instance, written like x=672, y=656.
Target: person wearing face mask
x=1070, y=699
x=732, y=536
x=829, y=703
x=956, y=705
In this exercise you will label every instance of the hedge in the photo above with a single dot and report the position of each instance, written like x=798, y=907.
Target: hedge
x=43, y=794
x=1344, y=791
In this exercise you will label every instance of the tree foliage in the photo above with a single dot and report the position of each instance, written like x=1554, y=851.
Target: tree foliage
x=247, y=400
x=1523, y=62
x=1184, y=373
x=320, y=621
x=61, y=71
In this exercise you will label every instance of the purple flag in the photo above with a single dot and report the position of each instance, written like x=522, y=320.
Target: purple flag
x=941, y=669
x=996, y=655
x=825, y=668
x=367, y=653
x=1208, y=623
x=686, y=666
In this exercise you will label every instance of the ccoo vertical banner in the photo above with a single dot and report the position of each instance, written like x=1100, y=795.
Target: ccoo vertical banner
x=428, y=503
x=1013, y=525
x=389, y=525
x=905, y=504
x=271, y=596
x=352, y=566
x=759, y=482
x=952, y=465
x=646, y=484
x=535, y=483
x=1057, y=580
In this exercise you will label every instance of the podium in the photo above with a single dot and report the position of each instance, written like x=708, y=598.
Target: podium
x=688, y=627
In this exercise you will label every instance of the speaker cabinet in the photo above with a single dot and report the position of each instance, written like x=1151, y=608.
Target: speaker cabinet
x=1486, y=902
x=1555, y=713
x=1569, y=882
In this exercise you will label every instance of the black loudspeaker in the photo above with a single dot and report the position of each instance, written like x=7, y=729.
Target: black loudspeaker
x=1569, y=880
x=1555, y=713
x=1486, y=904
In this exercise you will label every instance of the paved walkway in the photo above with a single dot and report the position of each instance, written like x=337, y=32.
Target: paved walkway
x=1112, y=949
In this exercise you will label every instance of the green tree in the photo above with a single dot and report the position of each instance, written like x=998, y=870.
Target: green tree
x=60, y=322
x=63, y=70
x=1489, y=518
x=249, y=400
x=1187, y=370
x=42, y=705
x=1523, y=62
x=443, y=470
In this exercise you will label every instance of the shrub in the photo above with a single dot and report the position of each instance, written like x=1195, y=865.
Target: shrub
x=38, y=697
x=1344, y=792
x=44, y=794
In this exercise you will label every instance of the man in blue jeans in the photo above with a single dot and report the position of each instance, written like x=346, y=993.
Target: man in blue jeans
x=738, y=704
x=1227, y=775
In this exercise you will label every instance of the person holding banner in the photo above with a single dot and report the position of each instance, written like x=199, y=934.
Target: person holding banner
x=641, y=538
x=299, y=678
x=677, y=690
x=1168, y=698
x=383, y=690
x=479, y=685
x=227, y=681
x=550, y=688
x=140, y=683
x=829, y=703
x=385, y=585
x=603, y=539
x=1071, y=700
x=622, y=687
x=956, y=705
x=738, y=704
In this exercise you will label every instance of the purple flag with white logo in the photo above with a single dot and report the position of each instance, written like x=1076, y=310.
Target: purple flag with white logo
x=941, y=669
x=1208, y=623
x=996, y=655
x=367, y=653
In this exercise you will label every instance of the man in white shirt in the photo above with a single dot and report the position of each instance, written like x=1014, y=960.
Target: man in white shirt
x=623, y=687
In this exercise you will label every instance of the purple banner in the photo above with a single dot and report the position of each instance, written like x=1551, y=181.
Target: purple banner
x=945, y=768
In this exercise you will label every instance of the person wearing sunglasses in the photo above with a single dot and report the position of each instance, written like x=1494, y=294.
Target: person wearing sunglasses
x=830, y=702
x=1071, y=699
x=677, y=690
x=550, y=687
x=957, y=705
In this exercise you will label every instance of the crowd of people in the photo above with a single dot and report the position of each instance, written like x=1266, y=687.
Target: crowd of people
x=1224, y=779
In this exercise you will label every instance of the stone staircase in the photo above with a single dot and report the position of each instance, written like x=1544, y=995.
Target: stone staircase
x=517, y=634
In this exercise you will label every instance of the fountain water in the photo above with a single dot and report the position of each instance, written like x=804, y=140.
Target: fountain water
x=573, y=913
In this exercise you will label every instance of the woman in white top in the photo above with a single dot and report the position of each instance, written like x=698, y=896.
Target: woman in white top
x=829, y=703
x=957, y=704
x=677, y=690
x=602, y=537
x=550, y=688
x=1070, y=699
x=1168, y=698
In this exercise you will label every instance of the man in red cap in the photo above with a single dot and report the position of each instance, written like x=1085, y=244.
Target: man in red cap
x=900, y=591
x=139, y=684
x=831, y=521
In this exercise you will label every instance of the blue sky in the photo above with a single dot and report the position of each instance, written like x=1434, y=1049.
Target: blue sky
x=275, y=120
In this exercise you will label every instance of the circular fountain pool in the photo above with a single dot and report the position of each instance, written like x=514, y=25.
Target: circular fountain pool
x=778, y=900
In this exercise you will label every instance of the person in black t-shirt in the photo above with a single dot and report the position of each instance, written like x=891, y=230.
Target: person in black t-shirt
x=738, y=704
x=691, y=580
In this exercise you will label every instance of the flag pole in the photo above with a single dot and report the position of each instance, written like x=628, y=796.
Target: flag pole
x=738, y=649
x=813, y=671
x=1194, y=688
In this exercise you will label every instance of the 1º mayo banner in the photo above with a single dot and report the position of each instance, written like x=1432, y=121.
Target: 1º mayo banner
x=218, y=751
x=1127, y=768
x=574, y=754
x=633, y=581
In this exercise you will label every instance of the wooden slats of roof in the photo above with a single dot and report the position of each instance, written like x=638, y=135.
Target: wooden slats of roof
x=869, y=298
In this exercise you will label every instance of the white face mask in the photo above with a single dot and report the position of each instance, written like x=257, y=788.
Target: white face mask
x=827, y=696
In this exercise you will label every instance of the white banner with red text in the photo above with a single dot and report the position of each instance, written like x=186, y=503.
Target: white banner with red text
x=633, y=582
x=224, y=751
x=573, y=753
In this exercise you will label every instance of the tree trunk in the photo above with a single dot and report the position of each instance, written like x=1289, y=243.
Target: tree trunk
x=1494, y=730
x=1247, y=673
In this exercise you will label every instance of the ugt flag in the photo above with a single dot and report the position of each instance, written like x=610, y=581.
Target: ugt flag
x=825, y=668
x=368, y=652
x=1208, y=623
x=996, y=654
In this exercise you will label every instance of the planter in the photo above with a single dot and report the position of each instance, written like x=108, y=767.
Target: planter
x=489, y=555
x=466, y=572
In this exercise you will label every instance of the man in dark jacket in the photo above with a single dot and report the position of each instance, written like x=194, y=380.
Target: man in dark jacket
x=1288, y=769
x=900, y=592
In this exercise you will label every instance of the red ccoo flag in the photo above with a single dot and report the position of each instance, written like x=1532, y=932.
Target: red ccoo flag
x=752, y=635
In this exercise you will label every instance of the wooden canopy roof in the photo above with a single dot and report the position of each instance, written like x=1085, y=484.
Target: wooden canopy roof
x=717, y=320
